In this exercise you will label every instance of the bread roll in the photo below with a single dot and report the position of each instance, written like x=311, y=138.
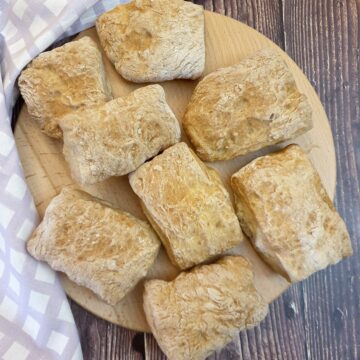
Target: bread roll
x=104, y=249
x=285, y=210
x=245, y=107
x=62, y=80
x=202, y=310
x=150, y=41
x=188, y=206
x=116, y=138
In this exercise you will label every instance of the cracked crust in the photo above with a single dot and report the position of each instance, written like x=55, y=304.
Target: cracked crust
x=150, y=41
x=104, y=249
x=245, y=107
x=285, y=210
x=62, y=80
x=202, y=310
x=187, y=205
x=116, y=138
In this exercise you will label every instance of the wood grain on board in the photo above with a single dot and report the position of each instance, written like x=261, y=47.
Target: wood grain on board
x=318, y=318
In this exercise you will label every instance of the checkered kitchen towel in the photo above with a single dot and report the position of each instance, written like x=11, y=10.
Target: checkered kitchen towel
x=35, y=317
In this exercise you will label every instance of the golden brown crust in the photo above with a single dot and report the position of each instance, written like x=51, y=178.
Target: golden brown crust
x=202, y=310
x=187, y=205
x=104, y=249
x=116, y=138
x=245, y=107
x=149, y=41
x=285, y=210
x=62, y=80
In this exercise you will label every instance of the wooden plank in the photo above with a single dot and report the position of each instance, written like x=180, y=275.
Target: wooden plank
x=103, y=340
x=323, y=38
x=152, y=350
x=263, y=15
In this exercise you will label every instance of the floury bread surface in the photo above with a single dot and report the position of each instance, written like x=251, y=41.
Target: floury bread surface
x=285, y=210
x=151, y=41
x=116, y=138
x=62, y=80
x=202, y=310
x=104, y=249
x=245, y=107
x=188, y=206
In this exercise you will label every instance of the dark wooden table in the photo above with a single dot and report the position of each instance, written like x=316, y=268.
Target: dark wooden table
x=320, y=317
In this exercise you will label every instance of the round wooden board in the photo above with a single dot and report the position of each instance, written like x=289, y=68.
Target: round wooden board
x=227, y=42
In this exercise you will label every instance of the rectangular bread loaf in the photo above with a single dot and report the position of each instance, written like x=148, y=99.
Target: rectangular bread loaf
x=285, y=210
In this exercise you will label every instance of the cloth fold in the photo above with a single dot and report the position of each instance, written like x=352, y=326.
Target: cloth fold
x=35, y=318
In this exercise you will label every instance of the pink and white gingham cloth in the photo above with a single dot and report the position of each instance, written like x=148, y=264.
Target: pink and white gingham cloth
x=35, y=318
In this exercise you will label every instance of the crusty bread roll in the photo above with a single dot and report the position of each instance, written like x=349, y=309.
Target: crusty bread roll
x=150, y=41
x=104, y=249
x=202, y=310
x=285, y=210
x=245, y=107
x=116, y=138
x=188, y=206
x=62, y=80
